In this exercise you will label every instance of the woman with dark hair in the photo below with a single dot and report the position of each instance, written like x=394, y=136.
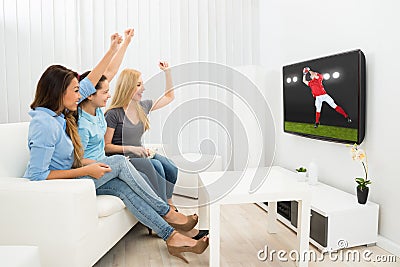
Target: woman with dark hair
x=92, y=125
x=56, y=153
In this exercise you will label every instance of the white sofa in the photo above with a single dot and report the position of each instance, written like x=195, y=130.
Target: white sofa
x=70, y=225
x=189, y=165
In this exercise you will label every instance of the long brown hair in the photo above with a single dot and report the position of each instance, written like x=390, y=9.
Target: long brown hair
x=124, y=90
x=49, y=94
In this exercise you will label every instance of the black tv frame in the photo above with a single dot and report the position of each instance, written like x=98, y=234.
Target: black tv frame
x=361, y=99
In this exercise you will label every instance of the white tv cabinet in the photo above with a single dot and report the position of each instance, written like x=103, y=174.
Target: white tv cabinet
x=337, y=220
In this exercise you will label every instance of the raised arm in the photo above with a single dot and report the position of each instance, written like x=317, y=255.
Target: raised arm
x=304, y=80
x=305, y=71
x=95, y=75
x=116, y=61
x=169, y=90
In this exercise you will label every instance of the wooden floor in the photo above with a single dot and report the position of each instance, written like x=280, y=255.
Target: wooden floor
x=243, y=234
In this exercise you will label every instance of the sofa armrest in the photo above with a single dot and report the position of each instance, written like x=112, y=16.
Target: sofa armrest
x=35, y=213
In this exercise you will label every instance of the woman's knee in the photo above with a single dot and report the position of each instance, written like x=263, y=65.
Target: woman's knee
x=115, y=161
x=117, y=157
x=170, y=168
x=173, y=169
x=158, y=166
x=143, y=165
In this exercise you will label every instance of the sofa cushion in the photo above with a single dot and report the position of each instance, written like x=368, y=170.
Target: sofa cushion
x=108, y=205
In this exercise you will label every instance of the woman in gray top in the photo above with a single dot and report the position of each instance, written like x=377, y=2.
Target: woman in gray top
x=127, y=136
x=126, y=123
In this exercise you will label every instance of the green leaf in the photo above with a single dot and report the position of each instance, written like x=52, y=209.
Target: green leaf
x=301, y=169
x=360, y=180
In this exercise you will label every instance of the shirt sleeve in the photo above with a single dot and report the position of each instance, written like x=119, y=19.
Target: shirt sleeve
x=84, y=135
x=86, y=88
x=112, y=118
x=42, y=144
x=146, y=104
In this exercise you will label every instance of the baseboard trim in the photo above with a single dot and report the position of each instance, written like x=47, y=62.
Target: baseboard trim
x=388, y=245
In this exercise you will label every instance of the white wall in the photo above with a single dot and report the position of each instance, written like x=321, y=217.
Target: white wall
x=33, y=34
x=37, y=33
x=286, y=29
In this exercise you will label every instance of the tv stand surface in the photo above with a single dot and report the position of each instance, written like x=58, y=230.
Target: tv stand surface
x=337, y=220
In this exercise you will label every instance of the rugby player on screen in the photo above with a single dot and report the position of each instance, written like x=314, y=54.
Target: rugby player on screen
x=320, y=95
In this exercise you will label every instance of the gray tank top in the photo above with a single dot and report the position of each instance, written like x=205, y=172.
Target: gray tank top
x=126, y=133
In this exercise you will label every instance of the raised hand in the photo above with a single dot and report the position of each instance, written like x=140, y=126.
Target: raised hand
x=306, y=70
x=116, y=40
x=128, y=34
x=163, y=65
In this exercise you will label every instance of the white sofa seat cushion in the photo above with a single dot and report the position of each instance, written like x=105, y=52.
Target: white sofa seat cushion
x=108, y=205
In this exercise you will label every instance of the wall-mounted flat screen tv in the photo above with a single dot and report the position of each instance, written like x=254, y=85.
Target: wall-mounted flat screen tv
x=324, y=98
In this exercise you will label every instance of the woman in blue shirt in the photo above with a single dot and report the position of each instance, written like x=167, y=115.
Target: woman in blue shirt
x=92, y=127
x=55, y=153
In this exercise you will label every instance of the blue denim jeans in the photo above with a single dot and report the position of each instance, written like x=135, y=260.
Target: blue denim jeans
x=135, y=204
x=167, y=169
x=121, y=168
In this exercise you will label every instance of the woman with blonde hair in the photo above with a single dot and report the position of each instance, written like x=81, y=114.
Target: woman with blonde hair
x=127, y=121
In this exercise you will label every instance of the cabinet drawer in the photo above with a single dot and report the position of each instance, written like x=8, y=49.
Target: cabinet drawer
x=318, y=224
x=319, y=228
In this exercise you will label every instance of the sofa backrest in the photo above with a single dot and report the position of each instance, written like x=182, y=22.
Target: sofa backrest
x=14, y=153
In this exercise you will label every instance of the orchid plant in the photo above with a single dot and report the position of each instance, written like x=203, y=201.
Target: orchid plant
x=358, y=154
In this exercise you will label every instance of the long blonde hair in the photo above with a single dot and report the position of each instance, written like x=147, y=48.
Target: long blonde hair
x=124, y=90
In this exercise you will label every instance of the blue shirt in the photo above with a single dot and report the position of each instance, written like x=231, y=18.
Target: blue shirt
x=92, y=130
x=50, y=146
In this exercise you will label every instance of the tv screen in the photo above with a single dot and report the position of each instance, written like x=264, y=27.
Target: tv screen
x=324, y=98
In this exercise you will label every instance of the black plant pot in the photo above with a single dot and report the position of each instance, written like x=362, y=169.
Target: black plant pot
x=362, y=195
